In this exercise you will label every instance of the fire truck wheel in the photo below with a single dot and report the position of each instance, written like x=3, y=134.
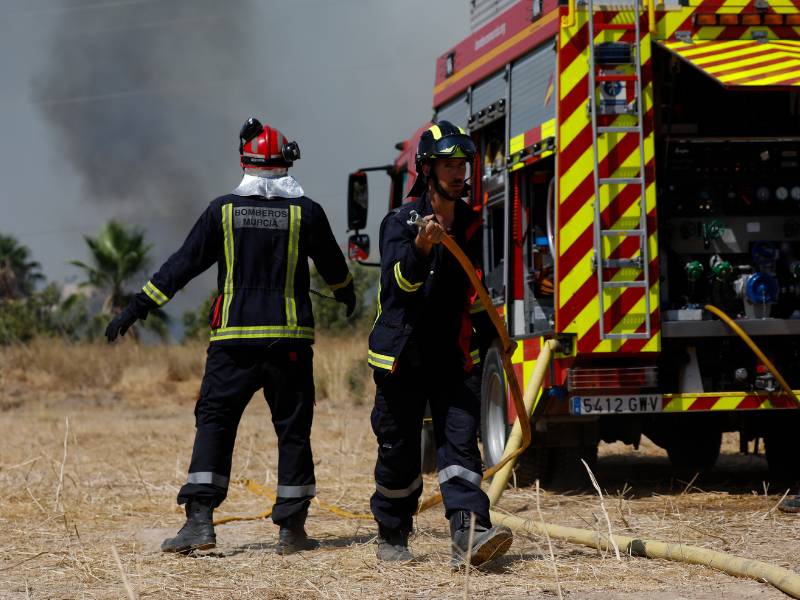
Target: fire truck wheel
x=694, y=450
x=567, y=470
x=534, y=464
x=428, y=442
x=780, y=447
x=494, y=407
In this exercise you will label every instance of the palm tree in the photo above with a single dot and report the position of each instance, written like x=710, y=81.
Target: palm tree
x=18, y=274
x=118, y=254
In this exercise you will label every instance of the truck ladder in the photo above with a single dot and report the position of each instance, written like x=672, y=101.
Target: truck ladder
x=601, y=262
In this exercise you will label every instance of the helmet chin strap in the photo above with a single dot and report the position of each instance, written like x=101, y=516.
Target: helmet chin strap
x=437, y=187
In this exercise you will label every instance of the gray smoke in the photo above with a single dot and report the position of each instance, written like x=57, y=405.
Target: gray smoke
x=137, y=91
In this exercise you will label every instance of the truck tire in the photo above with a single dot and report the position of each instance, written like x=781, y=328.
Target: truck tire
x=694, y=450
x=780, y=448
x=494, y=407
x=428, y=443
x=567, y=471
x=534, y=463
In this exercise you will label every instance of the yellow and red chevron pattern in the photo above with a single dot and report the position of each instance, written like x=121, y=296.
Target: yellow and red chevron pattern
x=726, y=401
x=578, y=307
x=743, y=63
x=682, y=19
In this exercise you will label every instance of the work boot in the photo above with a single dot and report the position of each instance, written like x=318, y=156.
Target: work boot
x=790, y=505
x=393, y=545
x=488, y=543
x=292, y=536
x=198, y=531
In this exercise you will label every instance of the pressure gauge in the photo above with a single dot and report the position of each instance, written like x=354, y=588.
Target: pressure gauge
x=782, y=193
x=795, y=192
x=762, y=194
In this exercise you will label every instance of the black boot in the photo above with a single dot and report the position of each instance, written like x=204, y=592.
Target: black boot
x=393, y=545
x=198, y=531
x=488, y=543
x=292, y=536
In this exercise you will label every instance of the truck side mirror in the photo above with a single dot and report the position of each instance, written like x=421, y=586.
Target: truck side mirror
x=358, y=247
x=357, y=201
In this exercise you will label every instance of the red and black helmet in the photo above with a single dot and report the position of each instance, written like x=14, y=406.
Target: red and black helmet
x=262, y=146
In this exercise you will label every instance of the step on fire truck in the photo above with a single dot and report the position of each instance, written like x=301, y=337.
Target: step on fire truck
x=637, y=163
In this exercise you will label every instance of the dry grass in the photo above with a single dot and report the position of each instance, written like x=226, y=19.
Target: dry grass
x=127, y=450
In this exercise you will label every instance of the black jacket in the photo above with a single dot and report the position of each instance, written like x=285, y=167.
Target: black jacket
x=261, y=247
x=412, y=283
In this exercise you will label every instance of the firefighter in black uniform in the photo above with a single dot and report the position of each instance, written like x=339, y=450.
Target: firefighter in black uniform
x=419, y=349
x=262, y=329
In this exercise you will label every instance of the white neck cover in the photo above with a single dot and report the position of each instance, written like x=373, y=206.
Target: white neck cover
x=269, y=183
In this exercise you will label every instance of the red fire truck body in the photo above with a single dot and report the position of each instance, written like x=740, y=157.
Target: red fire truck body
x=635, y=168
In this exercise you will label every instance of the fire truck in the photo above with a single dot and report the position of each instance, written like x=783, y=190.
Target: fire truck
x=639, y=179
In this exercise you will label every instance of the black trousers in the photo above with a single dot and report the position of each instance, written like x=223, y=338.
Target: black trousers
x=232, y=376
x=400, y=400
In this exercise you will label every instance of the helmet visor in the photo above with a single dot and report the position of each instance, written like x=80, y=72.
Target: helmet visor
x=454, y=146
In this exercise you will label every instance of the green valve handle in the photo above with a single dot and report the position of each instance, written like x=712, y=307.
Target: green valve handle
x=721, y=270
x=694, y=270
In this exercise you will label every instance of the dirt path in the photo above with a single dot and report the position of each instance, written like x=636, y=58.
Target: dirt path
x=125, y=462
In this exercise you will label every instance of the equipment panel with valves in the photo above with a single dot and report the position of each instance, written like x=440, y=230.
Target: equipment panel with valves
x=731, y=234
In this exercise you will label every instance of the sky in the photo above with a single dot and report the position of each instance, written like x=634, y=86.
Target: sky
x=130, y=109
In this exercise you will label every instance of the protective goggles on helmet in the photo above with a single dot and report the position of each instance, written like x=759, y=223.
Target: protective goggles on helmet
x=453, y=146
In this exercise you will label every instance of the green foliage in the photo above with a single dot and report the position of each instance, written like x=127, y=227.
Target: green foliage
x=117, y=254
x=195, y=322
x=329, y=315
x=42, y=313
x=18, y=274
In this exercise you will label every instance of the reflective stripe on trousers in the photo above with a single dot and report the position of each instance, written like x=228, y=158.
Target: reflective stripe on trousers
x=458, y=471
x=296, y=491
x=208, y=477
x=404, y=493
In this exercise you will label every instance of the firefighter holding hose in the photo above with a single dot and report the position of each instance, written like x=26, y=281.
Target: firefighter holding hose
x=419, y=349
x=262, y=329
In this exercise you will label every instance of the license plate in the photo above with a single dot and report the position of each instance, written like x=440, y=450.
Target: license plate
x=603, y=405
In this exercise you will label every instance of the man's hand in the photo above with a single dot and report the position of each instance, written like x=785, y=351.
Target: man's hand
x=429, y=234
x=349, y=300
x=121, y=323
x=347, y=296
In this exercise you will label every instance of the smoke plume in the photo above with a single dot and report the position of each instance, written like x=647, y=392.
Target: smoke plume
x=139, y=94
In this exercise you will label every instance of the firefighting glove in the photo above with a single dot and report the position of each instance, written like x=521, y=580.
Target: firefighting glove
x=347, y=296
x=136, y=309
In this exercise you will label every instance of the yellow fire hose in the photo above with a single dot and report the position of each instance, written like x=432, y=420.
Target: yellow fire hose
x=520, y=438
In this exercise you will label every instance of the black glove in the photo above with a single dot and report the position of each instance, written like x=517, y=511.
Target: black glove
x=349, y=300
x=347, y=296
x=121, y=323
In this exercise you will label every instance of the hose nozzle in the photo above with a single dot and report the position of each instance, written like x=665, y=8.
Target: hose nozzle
x=414, y=218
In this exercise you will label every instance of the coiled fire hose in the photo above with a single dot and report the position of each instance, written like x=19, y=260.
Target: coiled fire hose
x=520, y=438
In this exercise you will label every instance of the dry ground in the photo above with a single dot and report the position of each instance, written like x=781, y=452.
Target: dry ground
x=95, y=444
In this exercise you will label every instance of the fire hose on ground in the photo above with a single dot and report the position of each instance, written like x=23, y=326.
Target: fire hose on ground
x=520, y=438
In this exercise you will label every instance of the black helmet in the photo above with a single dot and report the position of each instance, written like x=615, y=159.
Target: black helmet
x=441, y=140
x=444, y=140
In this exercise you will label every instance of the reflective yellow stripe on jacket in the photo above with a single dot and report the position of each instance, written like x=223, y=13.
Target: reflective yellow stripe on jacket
x=292, y=252
x=227, y=229
x=402, y=282
x=338, y=286
x=381, y=361
x=155, y=294
x=266, y=331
